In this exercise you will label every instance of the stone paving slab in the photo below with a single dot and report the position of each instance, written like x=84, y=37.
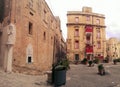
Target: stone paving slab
x=77, y=76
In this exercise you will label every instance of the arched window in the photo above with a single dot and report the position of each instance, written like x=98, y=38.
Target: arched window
x=29, y=52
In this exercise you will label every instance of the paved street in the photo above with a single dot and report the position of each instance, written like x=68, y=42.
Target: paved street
x=84, y=76
x=77, y=76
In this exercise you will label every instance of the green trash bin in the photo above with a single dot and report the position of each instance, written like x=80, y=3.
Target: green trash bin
x=59, y=77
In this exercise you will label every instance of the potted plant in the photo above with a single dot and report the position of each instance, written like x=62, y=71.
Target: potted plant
x=60, y=72
x=90, y=63
x=106, y=60
x=96, y=60
x=84, y=61
x=101, y=69
x=118, y=60
x=115, y=61
x=76, y=62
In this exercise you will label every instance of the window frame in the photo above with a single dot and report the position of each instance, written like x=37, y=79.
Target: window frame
x=29, y=54
x=76, y=32
x=87, y=18
x=76, y=44
x=97, y=21
x=76, y=19
x=98, y=33
x=98, y=44
x=30, y=28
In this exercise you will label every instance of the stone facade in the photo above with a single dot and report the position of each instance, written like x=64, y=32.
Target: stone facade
x=36, y=37
x=86, y=37
x=113, y=48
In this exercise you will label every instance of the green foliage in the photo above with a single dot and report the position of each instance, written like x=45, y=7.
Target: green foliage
x=101, y=69
x=90, y=62
x=100, y=66
x=65, y=63
x=96, y=60
x=118, y=60
x=115, y=61
x=62, y=65
x=106, y=60
x=84, y=60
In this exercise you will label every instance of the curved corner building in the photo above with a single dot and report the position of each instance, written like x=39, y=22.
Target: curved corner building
x=86, y=37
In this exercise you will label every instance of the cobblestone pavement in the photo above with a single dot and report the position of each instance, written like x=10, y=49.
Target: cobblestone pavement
x=77, y=76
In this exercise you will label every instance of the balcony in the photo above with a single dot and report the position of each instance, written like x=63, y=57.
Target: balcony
x=88, y=42
x=88, y=30
x=89, y=49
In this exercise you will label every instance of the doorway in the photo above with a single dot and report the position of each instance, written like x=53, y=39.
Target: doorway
x=76, y=57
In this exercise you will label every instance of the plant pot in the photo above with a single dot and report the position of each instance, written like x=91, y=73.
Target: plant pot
x=115, y=61
x=59, y=77
x=76, y=62
x=90, y=63
x=101, y=71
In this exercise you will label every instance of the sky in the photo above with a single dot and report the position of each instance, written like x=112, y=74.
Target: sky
x=110, y=8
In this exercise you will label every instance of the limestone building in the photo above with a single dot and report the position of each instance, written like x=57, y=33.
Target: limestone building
x=86, y=37
x=30, y=36
x=113, y=48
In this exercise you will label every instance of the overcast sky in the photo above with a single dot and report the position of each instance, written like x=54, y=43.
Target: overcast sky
x=110, y=8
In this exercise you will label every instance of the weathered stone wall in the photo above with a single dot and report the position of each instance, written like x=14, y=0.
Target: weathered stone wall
x=40, y=38
x=38, y=27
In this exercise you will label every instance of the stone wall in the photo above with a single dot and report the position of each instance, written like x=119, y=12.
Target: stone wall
x=38, y=27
